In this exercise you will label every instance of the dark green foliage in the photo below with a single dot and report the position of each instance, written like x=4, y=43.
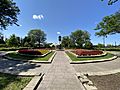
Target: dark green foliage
x=12, y=48
x=8, y=13
x=76, y=40
x=3, y=45
x=100, y=45
x=48, y=45
x=109, y=25
x=79, y=37
x=12, y=41
x=66, y=42
x=88, y=45
x=2, y=39
x=110, y=49
x=26, y=42
x=36, y=36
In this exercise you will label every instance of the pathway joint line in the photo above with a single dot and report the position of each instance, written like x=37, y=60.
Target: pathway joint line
x=61, y=75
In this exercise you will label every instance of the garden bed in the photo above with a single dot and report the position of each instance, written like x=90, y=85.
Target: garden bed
x=87, y=53
x=34, y=52
x=17, y=56
x=90, y=56
x=74, y=58
x=12, y=82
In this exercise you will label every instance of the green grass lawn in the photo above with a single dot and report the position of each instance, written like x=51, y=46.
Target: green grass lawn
x=18, y=56
x=74, y=58
x=11, y=82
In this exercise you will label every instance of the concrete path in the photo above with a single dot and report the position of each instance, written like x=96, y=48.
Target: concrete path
x=94, y=68
x=22, y=68
x=60, y=76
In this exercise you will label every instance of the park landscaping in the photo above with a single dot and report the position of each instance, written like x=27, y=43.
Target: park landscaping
x=85, y=54
x=31, y=54
x=12, y=82
x=33, y=51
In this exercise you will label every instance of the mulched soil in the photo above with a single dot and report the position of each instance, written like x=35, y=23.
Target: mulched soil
x=106, y=82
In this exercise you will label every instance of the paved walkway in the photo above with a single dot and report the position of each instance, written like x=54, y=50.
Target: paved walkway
x=61, y=75
x=22, y=68
x=98, y=68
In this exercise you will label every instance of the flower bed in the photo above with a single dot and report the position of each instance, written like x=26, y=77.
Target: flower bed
x=81, y=52
x=33, y=51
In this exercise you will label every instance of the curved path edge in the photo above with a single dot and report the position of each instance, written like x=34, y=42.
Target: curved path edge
x=102, y=72
x=90, y=61
x=32, y=61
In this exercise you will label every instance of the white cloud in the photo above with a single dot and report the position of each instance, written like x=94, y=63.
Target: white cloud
x=38, y=17
x=20, y=25
x=58, y=33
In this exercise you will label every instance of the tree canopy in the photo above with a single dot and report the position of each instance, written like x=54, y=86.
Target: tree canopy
x=37, y=36
x=76, y=40
x=8, y=13
x=12, y=41
x=109, y=25
x=66, y=41
x=79, y=37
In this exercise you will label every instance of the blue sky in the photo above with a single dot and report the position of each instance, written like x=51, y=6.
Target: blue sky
x=63, y=16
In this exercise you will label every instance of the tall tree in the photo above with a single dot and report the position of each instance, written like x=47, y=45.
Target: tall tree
x=110, y=24
x=37, y=36
x=66, y=42
x=88, y=45
x=26, y=41
x=2, y=39
x=102, y=33
x=8, y=13
x=12, y=41
x=79, y=37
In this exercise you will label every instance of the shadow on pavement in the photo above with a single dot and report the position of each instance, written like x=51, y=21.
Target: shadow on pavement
x=15, y=67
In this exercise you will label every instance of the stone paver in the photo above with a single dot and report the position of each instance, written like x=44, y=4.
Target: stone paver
x=98, y=67
x=61, y=75
x=22, y=68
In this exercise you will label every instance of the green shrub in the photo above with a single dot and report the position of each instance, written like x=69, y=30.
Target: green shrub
x=12, y=48
x=110, y=49
x=3, y=45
